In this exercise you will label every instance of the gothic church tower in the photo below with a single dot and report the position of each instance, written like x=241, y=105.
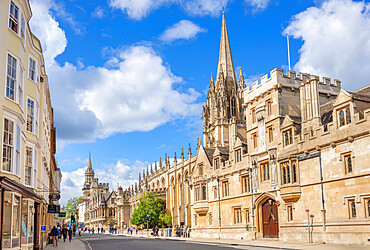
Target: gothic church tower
x=89, y=176
x=223, y=114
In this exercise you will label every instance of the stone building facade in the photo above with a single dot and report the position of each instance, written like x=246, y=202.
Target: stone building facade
x=100, y=204
x=288, y=149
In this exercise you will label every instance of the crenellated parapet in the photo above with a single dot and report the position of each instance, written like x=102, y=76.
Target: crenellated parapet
x=290, y=80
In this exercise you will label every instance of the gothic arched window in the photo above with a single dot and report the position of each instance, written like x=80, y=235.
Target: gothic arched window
x=294, y=170
x=233, y=106
x=284, y=175
x=204, y=191
x=288, y=174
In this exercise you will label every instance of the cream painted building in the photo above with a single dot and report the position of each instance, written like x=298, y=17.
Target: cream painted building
x=28, y=169
x=288, y=149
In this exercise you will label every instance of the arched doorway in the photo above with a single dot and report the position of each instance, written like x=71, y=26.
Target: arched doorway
x=270, y=220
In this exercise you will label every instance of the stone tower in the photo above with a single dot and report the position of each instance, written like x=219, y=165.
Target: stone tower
x=89, y=176
x=224, y=99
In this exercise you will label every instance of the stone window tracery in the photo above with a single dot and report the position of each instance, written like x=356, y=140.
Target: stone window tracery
x=265, y=171
x=237, y=215
x=238, y=154
x=348, y=163
x=288, y=137
x=352, y=207
x=344, y=116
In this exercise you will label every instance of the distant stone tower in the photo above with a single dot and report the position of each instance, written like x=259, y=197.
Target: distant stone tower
x=89, y=176
x=224, y=99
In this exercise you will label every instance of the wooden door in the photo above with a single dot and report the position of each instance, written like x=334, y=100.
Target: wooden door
x=270, y=219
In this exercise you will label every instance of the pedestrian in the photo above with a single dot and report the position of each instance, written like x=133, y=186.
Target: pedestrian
x=54, y=234
x=64, y=232
x=79, y=231
x=115, y=230
x=156, y=230
x=188, y=231
x=70, y=232
x=184, y=232
x=98, y=229
x=74, y=231
x=137, y=229
x=101, y=230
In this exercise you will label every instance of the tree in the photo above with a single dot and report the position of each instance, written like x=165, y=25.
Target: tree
x=166, y=219
x=150, y=205
x=71, y=207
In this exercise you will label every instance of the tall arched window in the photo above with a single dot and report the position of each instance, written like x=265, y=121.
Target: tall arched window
x=233, y=107
x=287, y=139
x=349, y=164
x=294, y=170
x=288, y=173
x=284, y=175
x=342, y=122
x=348, y=116
x=204, y=191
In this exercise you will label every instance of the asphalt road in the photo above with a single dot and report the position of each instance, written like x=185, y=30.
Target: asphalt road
x=107, y=242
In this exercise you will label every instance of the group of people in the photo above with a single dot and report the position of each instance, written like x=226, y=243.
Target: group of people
x=182, y=231
x=131, y=229
x=57, y=232
x=92, y=230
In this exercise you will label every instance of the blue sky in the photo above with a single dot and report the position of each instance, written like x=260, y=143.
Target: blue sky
x=128, y=77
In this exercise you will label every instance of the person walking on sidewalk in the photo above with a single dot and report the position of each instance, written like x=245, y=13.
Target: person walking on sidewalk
x=70, y=232
x=64, y=232
x=54, y=234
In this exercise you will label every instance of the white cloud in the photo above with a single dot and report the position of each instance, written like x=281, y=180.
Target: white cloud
x=204, y=7
x=43, y=24
x=258, y=5
x=98, y=12
x=134, y=91
x=137, y=94
x=122, y=172
x=72, y=183
x=181, y=30
x=336, y=41
x=138, y=9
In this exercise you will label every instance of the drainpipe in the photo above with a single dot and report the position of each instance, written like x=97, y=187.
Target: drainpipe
x=251, y=187
x=322, y=186
x=219, y=208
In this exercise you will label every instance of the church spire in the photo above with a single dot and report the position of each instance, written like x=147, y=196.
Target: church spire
x=225, y=60
x=89, y=167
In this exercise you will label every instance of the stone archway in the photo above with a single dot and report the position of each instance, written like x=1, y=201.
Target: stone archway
x=267, y=216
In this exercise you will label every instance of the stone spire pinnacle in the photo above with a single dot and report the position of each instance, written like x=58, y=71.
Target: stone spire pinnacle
x=89, y=167
x=211, y=83
x=225, y=60
x=241, y=78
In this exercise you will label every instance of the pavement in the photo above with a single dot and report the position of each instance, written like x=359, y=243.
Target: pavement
x=75, y=244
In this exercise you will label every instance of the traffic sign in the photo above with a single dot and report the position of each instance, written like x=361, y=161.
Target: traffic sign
x=43, y=228
x=62, y=214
